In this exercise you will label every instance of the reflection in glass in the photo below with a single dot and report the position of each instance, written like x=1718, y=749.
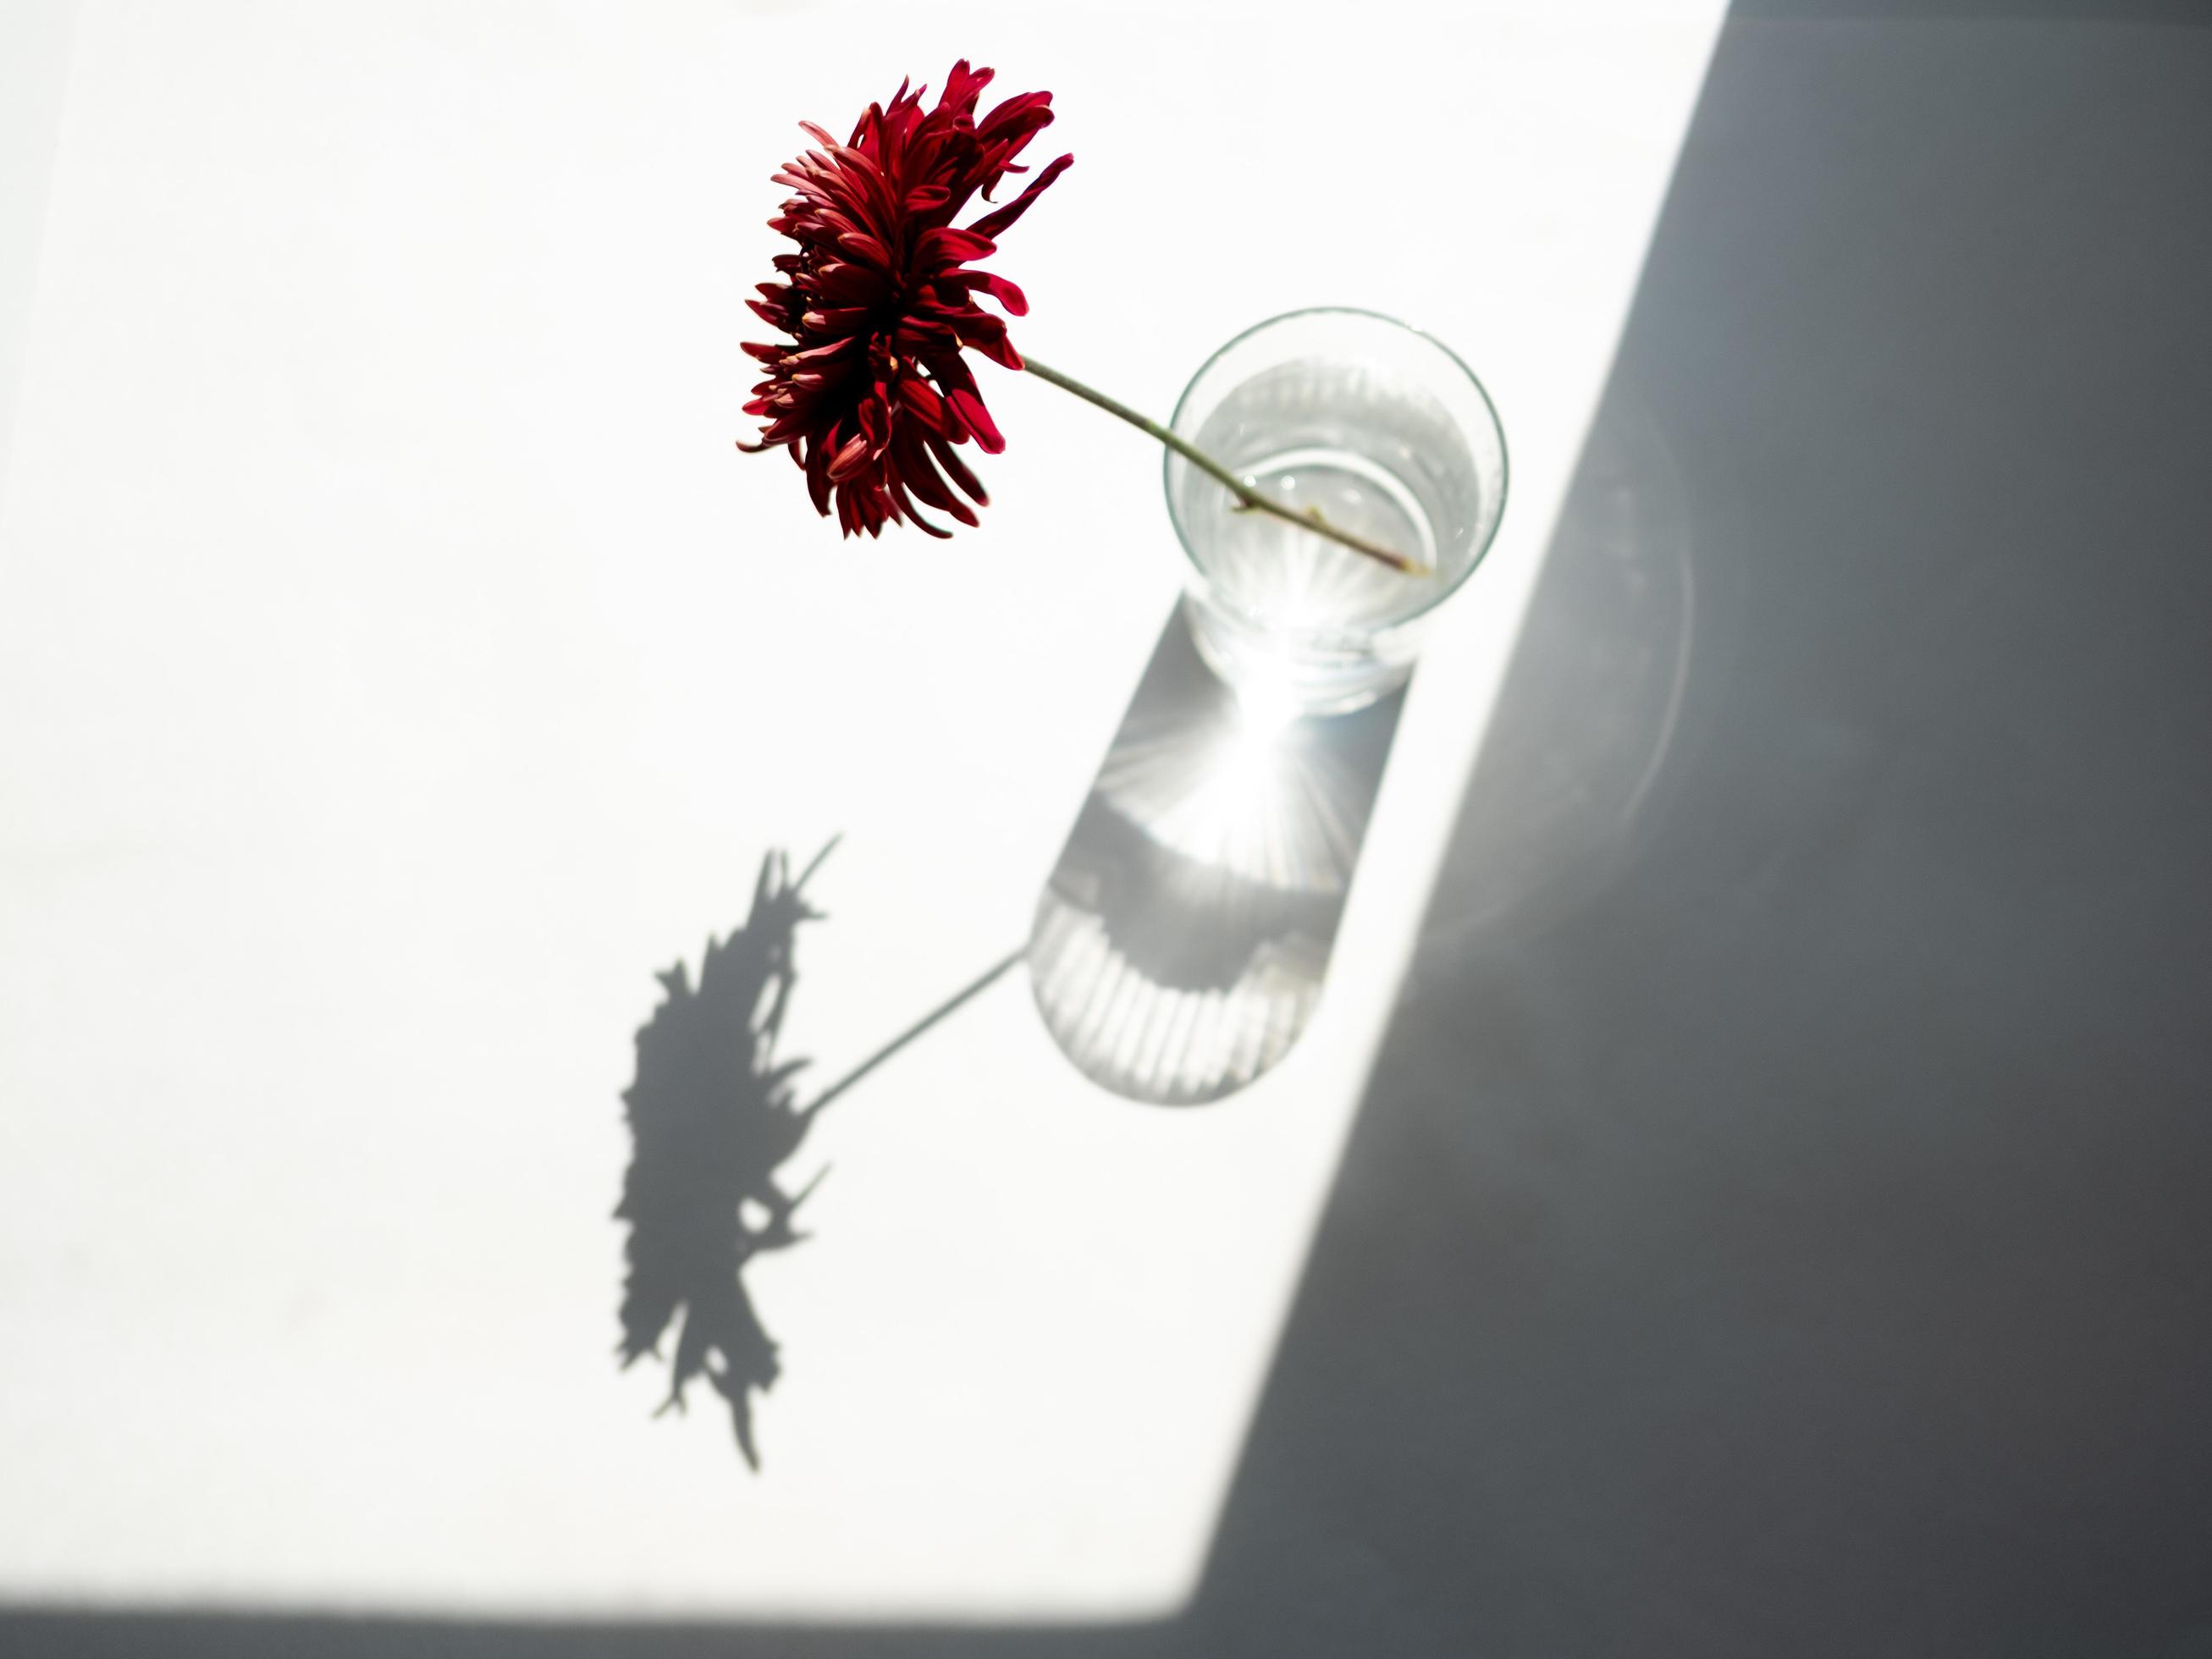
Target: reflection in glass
x=1380, y=430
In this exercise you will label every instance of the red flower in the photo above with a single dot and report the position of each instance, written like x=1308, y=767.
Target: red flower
x=873, y=395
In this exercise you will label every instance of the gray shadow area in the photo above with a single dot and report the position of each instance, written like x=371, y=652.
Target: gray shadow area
x=1780, y=1219
x=1182, y=940
x=1791, y=1233
x=1595, y=699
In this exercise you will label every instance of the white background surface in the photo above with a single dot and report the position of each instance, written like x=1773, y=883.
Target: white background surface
x=398, y=665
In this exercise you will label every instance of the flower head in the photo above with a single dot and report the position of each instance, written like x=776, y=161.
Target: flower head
x=871, y=396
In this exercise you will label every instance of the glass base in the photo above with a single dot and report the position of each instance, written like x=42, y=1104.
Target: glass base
x=1276, y=679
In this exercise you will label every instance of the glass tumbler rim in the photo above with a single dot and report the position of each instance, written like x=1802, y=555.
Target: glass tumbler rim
x=1168, y=458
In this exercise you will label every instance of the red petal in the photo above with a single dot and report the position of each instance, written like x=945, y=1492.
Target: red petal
x=835, y=319
x=956, y=470
x=969, y=408
x=921, y=400
x=915, y=335
x=962, y=86
x=849, y=284
x=998, y=218
x=850, y=459
x=1016, y=302
x=948, y=246
x=818, y=477
x=988, y=335
x=915, y=468
x=907, y=509
x=860, y=242
x=821, y=357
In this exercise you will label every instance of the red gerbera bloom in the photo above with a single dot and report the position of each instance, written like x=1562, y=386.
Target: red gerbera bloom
x=873, y=395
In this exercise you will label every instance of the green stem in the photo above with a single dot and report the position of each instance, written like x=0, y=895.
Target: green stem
x=1311, y=519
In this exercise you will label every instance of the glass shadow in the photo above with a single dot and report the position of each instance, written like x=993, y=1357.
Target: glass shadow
x=1181, y=941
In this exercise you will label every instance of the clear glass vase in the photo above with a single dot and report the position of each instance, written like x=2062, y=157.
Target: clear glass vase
x=1394, y=440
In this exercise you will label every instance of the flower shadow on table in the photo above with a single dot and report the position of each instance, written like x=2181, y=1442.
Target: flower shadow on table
x=711, y=1119
x=1181, y=941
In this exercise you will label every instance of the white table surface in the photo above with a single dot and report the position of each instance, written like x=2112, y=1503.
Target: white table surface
x=398, y=667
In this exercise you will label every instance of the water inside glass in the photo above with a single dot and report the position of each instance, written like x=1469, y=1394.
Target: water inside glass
x=1388, y=436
